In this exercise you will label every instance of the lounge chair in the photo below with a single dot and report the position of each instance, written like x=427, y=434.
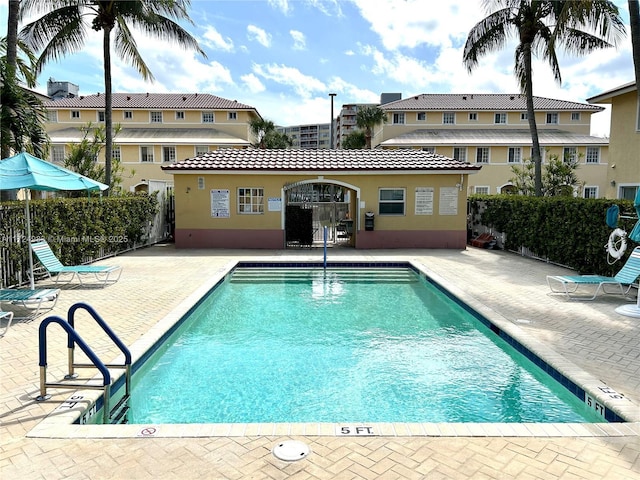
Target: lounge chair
x=9, y=317
x=54, y=267
x=622, y=281
x=29, y=302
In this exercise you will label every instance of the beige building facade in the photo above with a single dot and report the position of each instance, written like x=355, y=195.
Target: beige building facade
x=155, y=129
x=623, y=174
x=287, y=198
x=492, y=130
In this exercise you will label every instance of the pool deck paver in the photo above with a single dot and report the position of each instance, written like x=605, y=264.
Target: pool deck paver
x=157, y=280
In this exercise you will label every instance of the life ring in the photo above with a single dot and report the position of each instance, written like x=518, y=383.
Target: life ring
x=617, y=243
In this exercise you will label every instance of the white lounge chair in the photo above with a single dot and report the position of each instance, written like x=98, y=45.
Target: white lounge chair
x=54, y=267
x=30, y=302
x=8, y=316
x=622, y=281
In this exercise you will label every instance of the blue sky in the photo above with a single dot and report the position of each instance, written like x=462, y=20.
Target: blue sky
x=284, y=57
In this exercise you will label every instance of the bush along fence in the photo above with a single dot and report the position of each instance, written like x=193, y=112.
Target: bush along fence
x=567, y=231
x=79, y=230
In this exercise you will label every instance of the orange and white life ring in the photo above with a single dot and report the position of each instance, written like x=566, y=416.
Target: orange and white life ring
x=617, y=243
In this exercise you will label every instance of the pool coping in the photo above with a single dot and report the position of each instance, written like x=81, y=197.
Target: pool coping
x=62, y=422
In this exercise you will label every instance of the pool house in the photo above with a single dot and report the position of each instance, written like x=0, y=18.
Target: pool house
x=365, y=199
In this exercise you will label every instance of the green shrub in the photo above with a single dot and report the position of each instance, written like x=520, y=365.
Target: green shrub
x=565, y=230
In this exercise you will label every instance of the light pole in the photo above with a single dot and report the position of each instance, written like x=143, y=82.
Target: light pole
x=331, y=124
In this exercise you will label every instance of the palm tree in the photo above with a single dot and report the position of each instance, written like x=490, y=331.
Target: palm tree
x=22, y=114
x=267, y=135
x=367, y=118
x=541, y=26
x=62, y=30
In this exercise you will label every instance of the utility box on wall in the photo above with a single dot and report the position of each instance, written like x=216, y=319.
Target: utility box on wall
x=368, y=221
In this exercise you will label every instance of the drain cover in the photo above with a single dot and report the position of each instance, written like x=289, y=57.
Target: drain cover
x=291, y=450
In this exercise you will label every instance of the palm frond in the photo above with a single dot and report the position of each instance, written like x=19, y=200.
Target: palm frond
x=486, y=36
x=127, y=49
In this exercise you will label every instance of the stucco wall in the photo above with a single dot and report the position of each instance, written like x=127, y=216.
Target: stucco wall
x=196, y=228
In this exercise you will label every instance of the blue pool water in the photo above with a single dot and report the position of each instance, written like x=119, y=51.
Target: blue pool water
x=351, y=345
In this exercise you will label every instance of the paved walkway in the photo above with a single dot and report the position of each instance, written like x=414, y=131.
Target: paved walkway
x=157, y=280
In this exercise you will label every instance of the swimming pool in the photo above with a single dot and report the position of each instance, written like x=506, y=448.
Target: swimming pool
x=372, y=345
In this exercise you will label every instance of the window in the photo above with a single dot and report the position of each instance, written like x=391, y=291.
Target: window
x=57, y=153
x=524, y=116
x=156, y=117
x=180, y=115
x=627, y=192
x=552, y=118
x=101, y=116
x=590, y=192
x=208, y=117
x=116, y=153
x=481, y=190
x=398, y=118
x=429, y=149
x=250, y=200
x=127, y=114
x=473, y=116
x=75, y=114
x=515, y=155
x=52, y=116
x=482, y=155
x=391, y=201
x=449, y=118
x=168, y=154
x=593, y=155
x=201, y=149
x=575, y=116
x=500, y=118
x=146, y=154
x=232, y=115
x=543, y=154
x=460, y=154
x=421, y=116
x=570, y=154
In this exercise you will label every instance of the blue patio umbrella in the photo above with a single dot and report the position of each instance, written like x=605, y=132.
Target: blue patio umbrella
x=26, y=171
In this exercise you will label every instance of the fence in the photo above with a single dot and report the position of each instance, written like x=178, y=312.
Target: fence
x=14, y=269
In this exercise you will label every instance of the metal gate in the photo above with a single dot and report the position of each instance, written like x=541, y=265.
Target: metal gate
x=329, y=205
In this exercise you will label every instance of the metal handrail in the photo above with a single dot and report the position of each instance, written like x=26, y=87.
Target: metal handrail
x=73, y=336
x=105, y=327
x=73, y=339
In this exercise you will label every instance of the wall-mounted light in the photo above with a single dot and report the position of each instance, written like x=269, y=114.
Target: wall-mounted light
x=188, y=189
x=613, y=183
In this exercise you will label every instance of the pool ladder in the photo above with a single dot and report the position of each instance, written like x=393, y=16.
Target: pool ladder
x=117, y=414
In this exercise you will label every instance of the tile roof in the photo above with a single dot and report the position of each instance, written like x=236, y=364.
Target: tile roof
x=298, y=160
x=432, y=137
x=170, y=136
x=483, y=101
x=182, y=101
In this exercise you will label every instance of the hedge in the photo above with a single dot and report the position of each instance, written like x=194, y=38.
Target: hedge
x=79, y=230
x=565, y=230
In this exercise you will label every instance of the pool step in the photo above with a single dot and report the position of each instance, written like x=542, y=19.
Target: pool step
x=118, y=413
x=295, y=275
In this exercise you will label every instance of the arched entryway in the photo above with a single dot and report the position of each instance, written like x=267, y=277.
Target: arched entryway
x=312, y=205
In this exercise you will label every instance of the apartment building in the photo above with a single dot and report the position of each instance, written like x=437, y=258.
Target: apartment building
x=623, y=174
x=309, y=137
x=156, y=129
x=493, y=130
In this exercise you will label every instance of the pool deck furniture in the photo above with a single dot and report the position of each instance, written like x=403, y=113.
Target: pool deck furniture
x=484, y=240
x=623, y=281
x=30, y=302
x=55, y=268
x=9, y=318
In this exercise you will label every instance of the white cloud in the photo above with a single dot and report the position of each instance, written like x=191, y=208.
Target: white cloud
x=303, y=85
x=410, y=23
x=253, y=83
x=259, y=35
x=214, y=40
x=282, y=5
x=299, y=41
